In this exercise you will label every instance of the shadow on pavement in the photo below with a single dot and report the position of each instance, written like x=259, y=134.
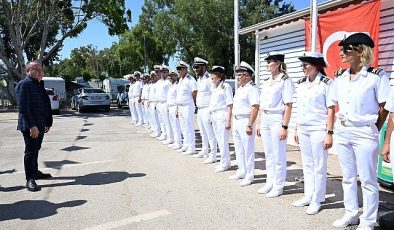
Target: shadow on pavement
x=93, y=113
x=99, y=178
x=11, y=171
x=34, y=209
x=59, y=164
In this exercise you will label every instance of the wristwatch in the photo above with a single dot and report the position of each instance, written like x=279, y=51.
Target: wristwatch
x=250, y=126
x=285, y=126
x=330, y=132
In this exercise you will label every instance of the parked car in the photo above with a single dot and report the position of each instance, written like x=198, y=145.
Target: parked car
x=123, y=96
x=90, y=98
x=54, y=99
x=231, y=82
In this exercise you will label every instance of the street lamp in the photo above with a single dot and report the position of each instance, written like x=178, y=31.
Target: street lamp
x=144, y=55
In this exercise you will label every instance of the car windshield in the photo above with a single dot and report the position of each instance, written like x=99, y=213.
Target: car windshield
x=231, y=83
x=93, y=91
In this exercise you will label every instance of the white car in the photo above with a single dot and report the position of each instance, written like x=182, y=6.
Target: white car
x=54, y=99
x=91, y=98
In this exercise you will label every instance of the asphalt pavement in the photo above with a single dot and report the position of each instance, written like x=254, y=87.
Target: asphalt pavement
x=108, y=174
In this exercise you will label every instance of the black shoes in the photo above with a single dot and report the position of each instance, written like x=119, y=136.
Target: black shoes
x=32, y=186
x=41, y=175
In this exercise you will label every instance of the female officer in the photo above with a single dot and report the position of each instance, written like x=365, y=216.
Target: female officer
x=275, y=110
x=314, y=129
x=220, y=107
x=361, y=92
x=171, y=103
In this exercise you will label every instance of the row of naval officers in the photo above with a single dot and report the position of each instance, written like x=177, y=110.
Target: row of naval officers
x=165, y=102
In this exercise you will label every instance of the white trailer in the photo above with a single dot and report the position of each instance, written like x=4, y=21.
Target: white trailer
x=57, y=84
x=111, y=85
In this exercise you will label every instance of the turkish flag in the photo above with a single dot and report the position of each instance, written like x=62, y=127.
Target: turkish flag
x=333, y=26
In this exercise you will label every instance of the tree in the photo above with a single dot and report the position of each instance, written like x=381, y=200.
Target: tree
x=37, y=29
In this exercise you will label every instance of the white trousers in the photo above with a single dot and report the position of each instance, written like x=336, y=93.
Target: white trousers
x=175, y=125
x=186, y=113
x=206, y=131
x=358, y=149
x=165, y=120
x=138, y=108
x=274, y=149
x=131, y=108
x=145, y=111
x=155, y=126
x=314, y=162
x=219, y=119
x=244, y=148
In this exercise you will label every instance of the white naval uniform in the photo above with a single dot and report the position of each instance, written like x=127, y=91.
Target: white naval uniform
x=204, y=91
x=357, y=138
x=186, y=108
x=155, y=126
x=145, y=108
x=274, y=95
x=137, y=105
x=131, y=102
x=312, y=104
x=162, y=109
x=390, y=107
x=245, y=97
x=174, y=120
x=221, y=98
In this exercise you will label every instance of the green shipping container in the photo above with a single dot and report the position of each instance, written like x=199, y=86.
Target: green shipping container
x=385, y=174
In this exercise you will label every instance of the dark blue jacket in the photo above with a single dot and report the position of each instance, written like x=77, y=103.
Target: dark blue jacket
x=33, y=105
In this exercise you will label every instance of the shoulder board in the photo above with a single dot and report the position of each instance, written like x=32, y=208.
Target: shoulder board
x=222, y=86
x=266, y=79
x=325, y=79
x=339, y=72
x=188, y=77
x=284, y=77
x=301, y=80
x=375, y=70
x=252, y=83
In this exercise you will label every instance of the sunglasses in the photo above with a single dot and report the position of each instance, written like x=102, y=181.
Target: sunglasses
x=347, y=49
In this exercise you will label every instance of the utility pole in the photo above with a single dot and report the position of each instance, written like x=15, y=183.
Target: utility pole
x=145, y=70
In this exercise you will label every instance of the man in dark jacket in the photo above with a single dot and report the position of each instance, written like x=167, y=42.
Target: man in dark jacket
x=35, y=119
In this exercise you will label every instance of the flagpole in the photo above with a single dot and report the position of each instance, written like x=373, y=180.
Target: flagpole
x=314, y=20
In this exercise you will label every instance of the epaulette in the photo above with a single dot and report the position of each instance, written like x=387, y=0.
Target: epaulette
x=284, y=77
x=375, y=70
x=266, y=79
x=189, y=77
x=301, y=80
x=325, y=79
x=222, y=86
x=339, y=72
x=252, y=83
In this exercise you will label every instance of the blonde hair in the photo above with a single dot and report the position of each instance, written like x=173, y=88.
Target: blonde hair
x=366, y=56
x=282, y=67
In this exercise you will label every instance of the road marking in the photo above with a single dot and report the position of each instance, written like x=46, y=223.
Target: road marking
x=66, y=166
x=131, y=220
x=330, y=195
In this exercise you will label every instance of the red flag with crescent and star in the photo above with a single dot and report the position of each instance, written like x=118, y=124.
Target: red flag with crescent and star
x=334, y=26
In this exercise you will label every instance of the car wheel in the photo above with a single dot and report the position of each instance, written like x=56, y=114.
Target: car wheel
x=107, y=109
x=80, y=109
x=56, y=112
x=119, y=105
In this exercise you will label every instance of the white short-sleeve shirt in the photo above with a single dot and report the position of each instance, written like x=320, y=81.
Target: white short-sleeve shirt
x=137, y=89
x=221, y=97
x=358, y=99
x=186, y=87
x=162, y=90
x=204, y=90
x=312, y=103
x=130, y=93
x=171, y=96
x=152, y=92
x=245, y=97
x=275, y=93
x=145, y=91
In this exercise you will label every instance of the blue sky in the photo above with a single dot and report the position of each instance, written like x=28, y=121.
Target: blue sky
x=97, y=34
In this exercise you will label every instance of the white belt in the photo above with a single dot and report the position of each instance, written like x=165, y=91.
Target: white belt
x=202, y=107
x=347, y=123
x=241, y=116
x=219, y=110
x=266, y=111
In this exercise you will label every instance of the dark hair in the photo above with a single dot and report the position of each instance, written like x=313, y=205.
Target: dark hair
x=222, y=76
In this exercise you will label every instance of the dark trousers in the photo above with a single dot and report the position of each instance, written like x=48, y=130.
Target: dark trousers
x=32, y=146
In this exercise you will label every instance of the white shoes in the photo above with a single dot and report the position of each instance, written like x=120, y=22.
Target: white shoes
x=167, y=142
x=162, y=138
x=274, y=193
x=301, y=202
x=266, y=189
x=365, y=227
x=189, y=152
x=236, y=177
x=221, y=169
x=246, y=182
x=175, y=147
x=139, y=124
x=345, y=221
x=179, y=150
x=210, y=160
x=313, y=209
x=199, y=155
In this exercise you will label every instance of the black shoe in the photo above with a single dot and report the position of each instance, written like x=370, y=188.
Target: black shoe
x=32, y=186
x=41, y=175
